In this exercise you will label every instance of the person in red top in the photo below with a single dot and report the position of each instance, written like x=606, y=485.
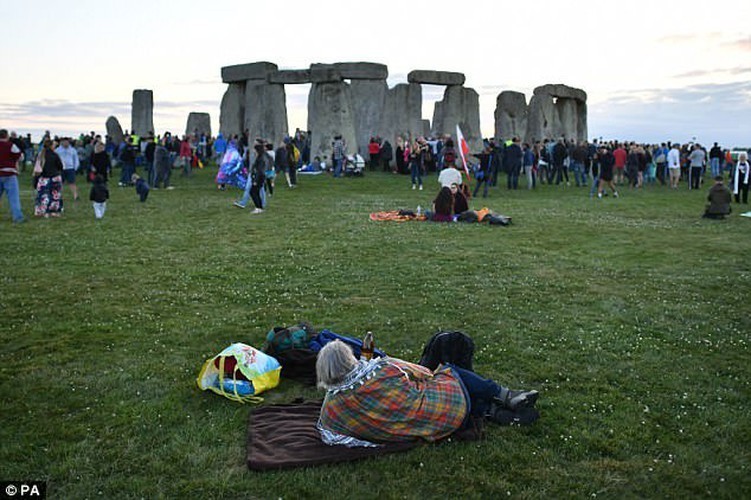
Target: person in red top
x=620, y=156
x=374, y=150
x=9, y=156
x=186, y=155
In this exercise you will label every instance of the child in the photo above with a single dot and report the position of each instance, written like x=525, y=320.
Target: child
x=99, y=195
x=142, y=187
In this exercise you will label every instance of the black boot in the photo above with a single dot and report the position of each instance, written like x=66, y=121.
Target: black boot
x=513, y=400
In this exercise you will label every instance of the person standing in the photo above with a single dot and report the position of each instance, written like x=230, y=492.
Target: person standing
x=186, y=156
x=128, y=160
x=10, y=154
x=620, y=156
x=374, y=152
x=162, y=167
x=741, y=176
x=559, y=156
x=339, y=150
x=513, y=163
x=696, y=159
x=100, y=162
x=607, y=164
x=674, y=165
x=415, y=164
x=482, y=174
x=49, y=197
x=528, y=164
x=715, y=159
x=69, y=156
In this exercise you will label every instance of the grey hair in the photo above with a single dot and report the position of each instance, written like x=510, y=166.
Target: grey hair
x=334, y=362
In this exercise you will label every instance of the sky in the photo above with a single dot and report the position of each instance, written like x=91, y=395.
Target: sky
x=653, y=70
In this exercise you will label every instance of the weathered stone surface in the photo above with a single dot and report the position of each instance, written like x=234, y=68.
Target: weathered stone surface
x=198, y=123
x=362, y=70
x=253, y=71
x=290, y=76
x=142, y=112
x=560, y=90
x=324, y=73
x=557, y=111
x=368, y=101
x=460, y=106
x=435, y=77
x=114, y=130
x=402, y=115
x=232, y=111
x=425, y=127
x=265, y=111
x=510, y=115
x=330, y=114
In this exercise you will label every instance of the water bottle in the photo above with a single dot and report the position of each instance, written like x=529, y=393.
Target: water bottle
x=243, y=387
x=368, y=346
x=419, y=210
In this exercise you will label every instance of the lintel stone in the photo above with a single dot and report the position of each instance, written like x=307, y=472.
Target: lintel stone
x=430, y=77
x=252, y=71
x=290, y=76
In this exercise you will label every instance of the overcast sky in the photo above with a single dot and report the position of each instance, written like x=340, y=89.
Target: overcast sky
x=653, y=70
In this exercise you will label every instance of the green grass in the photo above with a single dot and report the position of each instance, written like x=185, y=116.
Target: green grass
x=630, y=316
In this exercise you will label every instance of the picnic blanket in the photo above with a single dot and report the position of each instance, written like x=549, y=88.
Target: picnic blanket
x=284, y=436
x=396, y=215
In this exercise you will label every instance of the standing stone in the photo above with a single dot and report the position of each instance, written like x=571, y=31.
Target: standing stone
x=557, y=111
x=510, y=115
x=568, y=118
x=403, y=112
x=142, y=112
x=425, y=127
x=460, y=106
x=265, y=111
x=330, y=114
x=368, y=100
x=542, y=118
x=232, y=111
x=198, y=123
x=114, y=130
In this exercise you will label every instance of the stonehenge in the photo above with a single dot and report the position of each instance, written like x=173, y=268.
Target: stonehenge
x=353, y=99
x=142, y=112
x=114, y=130
x=553, y=111
x=198, y=123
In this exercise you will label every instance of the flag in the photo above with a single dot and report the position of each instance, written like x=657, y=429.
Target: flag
x=463, y=148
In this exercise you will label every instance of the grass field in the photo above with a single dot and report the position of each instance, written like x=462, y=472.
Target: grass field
x=630, y=316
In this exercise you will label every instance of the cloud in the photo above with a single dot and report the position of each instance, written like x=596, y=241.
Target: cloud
x=711, y=112
x=741, y=43
x=738, y=70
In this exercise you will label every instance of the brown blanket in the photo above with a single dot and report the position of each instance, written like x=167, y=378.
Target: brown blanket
x=285, y=436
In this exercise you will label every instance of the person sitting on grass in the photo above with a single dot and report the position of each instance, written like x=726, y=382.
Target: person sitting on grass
x=719, y=200
x=443, y=207
x=460, y=199
x=390, y=400
x=142, y=187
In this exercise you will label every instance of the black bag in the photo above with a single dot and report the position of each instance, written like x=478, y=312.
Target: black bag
x=456, y=348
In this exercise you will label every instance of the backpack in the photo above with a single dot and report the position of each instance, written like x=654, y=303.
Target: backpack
x=280, y=339
x=456, y=348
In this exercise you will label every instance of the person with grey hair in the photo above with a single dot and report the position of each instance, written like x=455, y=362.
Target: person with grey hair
x=390, y=400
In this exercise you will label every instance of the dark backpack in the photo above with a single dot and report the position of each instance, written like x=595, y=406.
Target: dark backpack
x=456, y=348
x=280, y=339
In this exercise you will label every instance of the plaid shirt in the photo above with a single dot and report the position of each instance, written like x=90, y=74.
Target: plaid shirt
x=398, y=401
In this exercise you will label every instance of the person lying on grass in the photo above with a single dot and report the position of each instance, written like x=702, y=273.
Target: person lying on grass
x=391, y=400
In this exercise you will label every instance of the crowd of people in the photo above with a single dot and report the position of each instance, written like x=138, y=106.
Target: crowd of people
x=253, y=165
